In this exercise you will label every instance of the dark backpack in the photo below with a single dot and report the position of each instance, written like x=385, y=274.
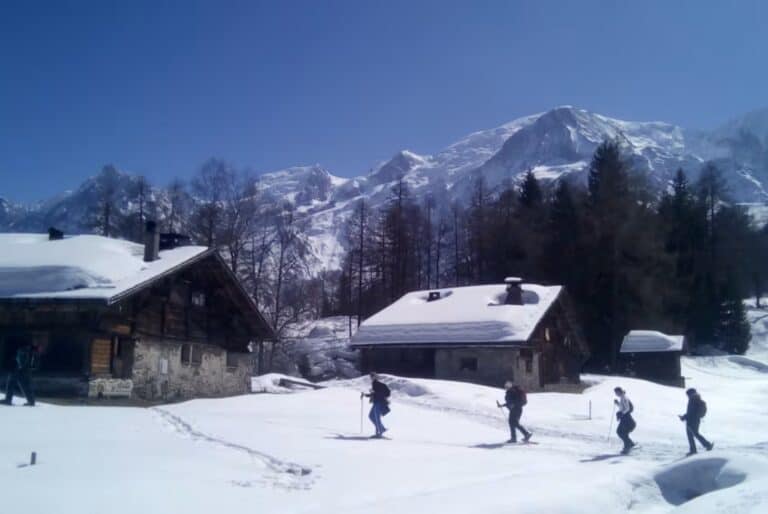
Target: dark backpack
x=380, y=390
x=26, y=358
x=522, y=397
x=702, y=408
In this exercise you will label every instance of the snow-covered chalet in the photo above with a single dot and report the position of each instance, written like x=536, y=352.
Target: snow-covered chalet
x=484, y=334
x=653, y=355
x=114, y=318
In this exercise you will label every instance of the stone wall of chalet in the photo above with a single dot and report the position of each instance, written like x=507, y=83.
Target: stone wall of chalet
x=489, y=366
x=168, y=370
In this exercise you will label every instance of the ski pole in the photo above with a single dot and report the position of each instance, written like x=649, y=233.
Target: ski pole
x=610, y=425
x=361, y=413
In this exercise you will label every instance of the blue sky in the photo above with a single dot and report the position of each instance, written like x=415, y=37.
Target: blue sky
x=158, y=87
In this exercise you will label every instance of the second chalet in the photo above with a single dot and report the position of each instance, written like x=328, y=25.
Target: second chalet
x=484, y=334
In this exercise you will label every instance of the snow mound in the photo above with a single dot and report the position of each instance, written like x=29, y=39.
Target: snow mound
x=269, y=383
x=749, y=363
x=406, y=386
x=682, y=483
x=318, y=350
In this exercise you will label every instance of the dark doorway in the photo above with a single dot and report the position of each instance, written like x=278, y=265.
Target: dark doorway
x=406, y=362
x=64, y=353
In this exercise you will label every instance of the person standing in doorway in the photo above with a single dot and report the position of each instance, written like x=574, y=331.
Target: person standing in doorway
x=26, y=362
x=379, y=398
x=696, y=410
x=514, y=400
x=626, y=421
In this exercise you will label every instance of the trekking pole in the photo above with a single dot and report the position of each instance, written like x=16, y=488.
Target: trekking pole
x=610, y=425
x=361, y=413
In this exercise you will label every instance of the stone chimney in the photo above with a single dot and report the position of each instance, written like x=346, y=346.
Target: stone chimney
x=514, y=291
x=151, y=242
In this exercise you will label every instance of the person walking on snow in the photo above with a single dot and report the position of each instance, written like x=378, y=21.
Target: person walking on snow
x=26, y=361
x=626, y=421
x=514, y=400
x=379, y=398
x=696, y=410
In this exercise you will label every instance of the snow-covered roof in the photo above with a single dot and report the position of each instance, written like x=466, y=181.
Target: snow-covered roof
x=80, y=267
x=638, y=341
x=474, y=314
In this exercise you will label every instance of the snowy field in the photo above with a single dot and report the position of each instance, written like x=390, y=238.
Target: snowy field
x=302, y=451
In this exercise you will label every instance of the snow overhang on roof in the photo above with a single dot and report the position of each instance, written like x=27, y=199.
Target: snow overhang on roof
x=81, y=268
x=639, y=341
x=461, y=315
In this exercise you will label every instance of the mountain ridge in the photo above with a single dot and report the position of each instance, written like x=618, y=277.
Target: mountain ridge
x=556, y=145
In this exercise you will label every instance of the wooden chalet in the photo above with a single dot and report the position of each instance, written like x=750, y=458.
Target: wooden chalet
x=485, y=334
x=654, y=356
x=115, y=318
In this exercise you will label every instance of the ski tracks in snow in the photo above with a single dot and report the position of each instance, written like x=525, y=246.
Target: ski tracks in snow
x=280, y=472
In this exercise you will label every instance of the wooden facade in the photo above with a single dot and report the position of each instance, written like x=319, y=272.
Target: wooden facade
x=185, y=333
x=660, y=367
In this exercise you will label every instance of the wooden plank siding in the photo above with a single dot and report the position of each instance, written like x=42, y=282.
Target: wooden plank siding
x=101, y=356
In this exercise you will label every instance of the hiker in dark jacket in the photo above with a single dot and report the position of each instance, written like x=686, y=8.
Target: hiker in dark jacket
x=379, y=397
x=26, y=361
x=692, y=417
x=515, y=400
x=626, y=421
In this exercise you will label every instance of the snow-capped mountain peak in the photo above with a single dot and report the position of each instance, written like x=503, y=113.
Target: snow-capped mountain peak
x=557, y=144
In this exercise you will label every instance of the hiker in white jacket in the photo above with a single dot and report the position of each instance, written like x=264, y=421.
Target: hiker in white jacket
x=624, y=416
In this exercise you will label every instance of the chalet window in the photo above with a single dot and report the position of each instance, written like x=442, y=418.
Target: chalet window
x=468, y=364
x=198, y=299
x=232, y=360
x=186, y=354
x=197, y=354
x=527, y=357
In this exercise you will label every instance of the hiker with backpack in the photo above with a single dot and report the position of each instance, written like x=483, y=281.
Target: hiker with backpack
x=514, y=400
x=379, y=398
x=626, y=421
x=26, y=361
x=697, y=409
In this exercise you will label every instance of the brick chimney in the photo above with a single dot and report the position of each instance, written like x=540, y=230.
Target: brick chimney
x=514, y=291
x=151, y=242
